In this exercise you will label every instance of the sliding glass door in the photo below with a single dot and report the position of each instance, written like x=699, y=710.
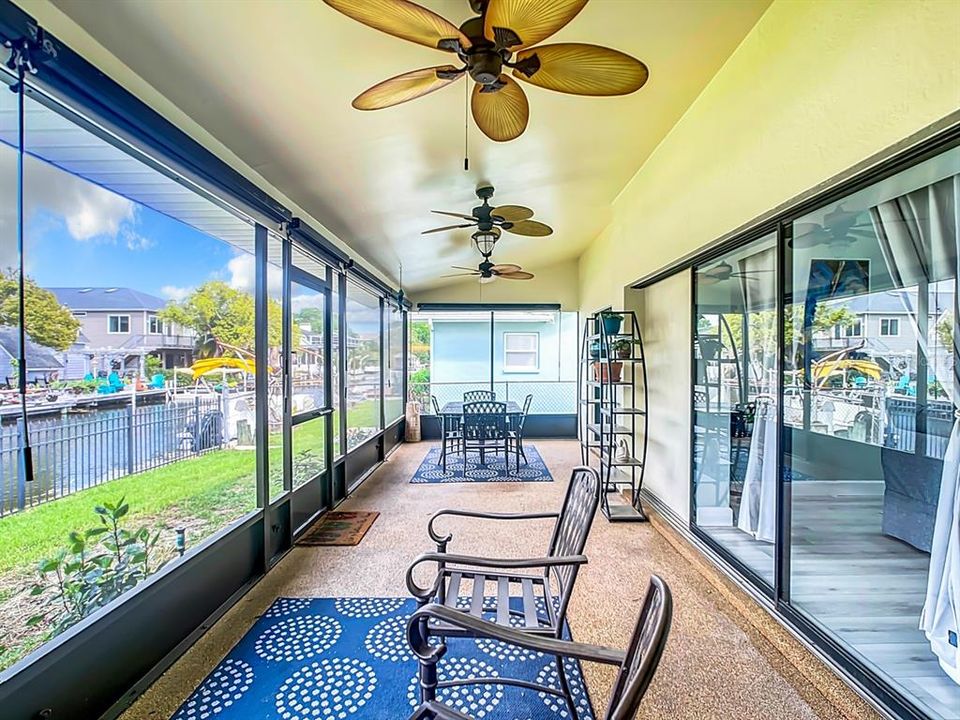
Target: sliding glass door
x=869, y=400
x=825, y=441
x=735, y=403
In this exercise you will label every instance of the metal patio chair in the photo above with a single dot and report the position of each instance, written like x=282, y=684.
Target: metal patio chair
x=450, y=432
x=515, y=434
x=637, y=665
x=545, y=587
x=485, y=430
x=472, y=396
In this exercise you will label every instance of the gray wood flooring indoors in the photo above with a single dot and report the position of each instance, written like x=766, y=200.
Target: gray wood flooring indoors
x=862, y=586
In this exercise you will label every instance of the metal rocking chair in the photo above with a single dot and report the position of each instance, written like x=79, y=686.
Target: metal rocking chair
x=545, y=588
x=637, y=665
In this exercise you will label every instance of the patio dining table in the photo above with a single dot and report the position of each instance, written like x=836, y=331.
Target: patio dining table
x=455, y=410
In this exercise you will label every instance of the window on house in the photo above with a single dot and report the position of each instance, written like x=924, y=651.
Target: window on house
x=889, y=327
x=118, y=324
x=155, y=325
x=855, y=329
x=521, y=352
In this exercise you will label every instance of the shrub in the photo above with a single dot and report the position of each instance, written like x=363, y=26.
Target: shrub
x=93, y=568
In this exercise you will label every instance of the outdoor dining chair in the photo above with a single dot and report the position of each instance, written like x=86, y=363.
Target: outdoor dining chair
x=472, y=396
x=515, y=433
x=638, y=664
x=450, y=432
x=545, y=583
x=485, y=430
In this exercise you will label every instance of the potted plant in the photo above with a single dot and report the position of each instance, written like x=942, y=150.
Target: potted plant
x=622, y=348
x=611, y=322
x=600, y=371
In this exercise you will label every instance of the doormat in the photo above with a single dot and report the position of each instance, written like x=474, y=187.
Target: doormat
x=326, y=658
x=338, y=528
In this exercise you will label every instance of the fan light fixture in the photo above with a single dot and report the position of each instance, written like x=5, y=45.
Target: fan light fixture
x=485, y=240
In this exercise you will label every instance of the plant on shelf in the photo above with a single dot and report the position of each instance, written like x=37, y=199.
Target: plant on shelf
x=623, y=348
x=604, y=371
x=93, y=568
x=612, y=322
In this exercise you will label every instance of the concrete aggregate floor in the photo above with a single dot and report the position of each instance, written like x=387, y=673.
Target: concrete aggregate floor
x=719, y=662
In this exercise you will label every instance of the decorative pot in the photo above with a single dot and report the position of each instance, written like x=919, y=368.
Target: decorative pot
x=600, y=371
x=611, y=323
x=623, y=351
x=595, y=349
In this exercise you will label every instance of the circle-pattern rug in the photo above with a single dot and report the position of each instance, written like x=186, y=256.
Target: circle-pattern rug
x=491, y=468
x=341, y=658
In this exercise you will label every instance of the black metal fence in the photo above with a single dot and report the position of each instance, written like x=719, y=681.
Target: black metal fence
x=75, y=452
x=901, y=428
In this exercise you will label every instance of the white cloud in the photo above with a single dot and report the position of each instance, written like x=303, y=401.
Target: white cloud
x=172, y=292
x=134, y=240
x=240, y=270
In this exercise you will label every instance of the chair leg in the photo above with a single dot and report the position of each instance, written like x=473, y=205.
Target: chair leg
x=565, y=688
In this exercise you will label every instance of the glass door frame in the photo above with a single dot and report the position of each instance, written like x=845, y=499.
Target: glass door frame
x=781, y=221
x=315, y=496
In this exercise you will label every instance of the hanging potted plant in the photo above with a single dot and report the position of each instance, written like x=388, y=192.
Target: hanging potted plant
x=600, y=373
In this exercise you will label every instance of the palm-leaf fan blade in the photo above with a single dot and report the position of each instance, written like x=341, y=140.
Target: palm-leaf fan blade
x=531, y=228
x=446, y=227
x=406, y=87
x=512, y=213
x=518, y=275
x=580, y=69
x=505, y=268
x=502, y=114
x=516, y=24
x=402, y=19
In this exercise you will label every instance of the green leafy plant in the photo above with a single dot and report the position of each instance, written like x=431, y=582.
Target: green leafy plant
x=93, y=568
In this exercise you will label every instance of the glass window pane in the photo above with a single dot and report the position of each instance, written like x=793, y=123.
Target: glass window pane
x=161, y=418
x=308, y=450
x=363, y=364
x=735, y=412
x=275, y=388
x=867, y=467
x=336, y=322
x=393, y=376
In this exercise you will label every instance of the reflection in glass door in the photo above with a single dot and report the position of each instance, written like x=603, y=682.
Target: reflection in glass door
x=735, y=408
x=311, y=413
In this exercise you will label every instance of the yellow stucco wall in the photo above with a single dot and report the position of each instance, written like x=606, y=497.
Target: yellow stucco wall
x=816, y=87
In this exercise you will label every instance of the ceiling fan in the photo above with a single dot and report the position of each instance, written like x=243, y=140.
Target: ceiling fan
x=500, y=38
x=487, y=271
x=490, y=220
x=724, y=271
x=839, y=229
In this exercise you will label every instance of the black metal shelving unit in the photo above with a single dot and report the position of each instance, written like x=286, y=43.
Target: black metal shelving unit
x=611, y=409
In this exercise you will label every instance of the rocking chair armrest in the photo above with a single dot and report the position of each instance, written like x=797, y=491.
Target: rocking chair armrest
x=419, y=642
x=444, y=559
x=442, y=540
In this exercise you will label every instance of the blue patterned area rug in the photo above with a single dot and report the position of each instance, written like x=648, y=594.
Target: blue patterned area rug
x=332, y=659
x=494, y=470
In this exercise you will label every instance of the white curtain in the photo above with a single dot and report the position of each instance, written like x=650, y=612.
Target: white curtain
x=918, y=235
x=758, y=505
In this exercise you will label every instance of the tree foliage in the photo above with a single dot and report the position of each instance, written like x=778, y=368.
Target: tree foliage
x=945, y=330
x=223, y=317
x=48, y=323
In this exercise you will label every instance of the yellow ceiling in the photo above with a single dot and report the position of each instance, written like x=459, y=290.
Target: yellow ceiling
x=273, y=80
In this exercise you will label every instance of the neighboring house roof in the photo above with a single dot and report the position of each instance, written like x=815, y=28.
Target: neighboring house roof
x=106, y=298
x=890, y=302
x=38, y=357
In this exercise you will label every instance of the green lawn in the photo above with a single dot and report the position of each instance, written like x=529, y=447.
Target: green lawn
x=219, y=484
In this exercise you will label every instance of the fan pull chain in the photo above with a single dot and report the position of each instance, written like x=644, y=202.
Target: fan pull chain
x=466, y=126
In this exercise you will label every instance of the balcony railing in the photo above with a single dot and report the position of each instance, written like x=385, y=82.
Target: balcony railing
x=550, y=397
